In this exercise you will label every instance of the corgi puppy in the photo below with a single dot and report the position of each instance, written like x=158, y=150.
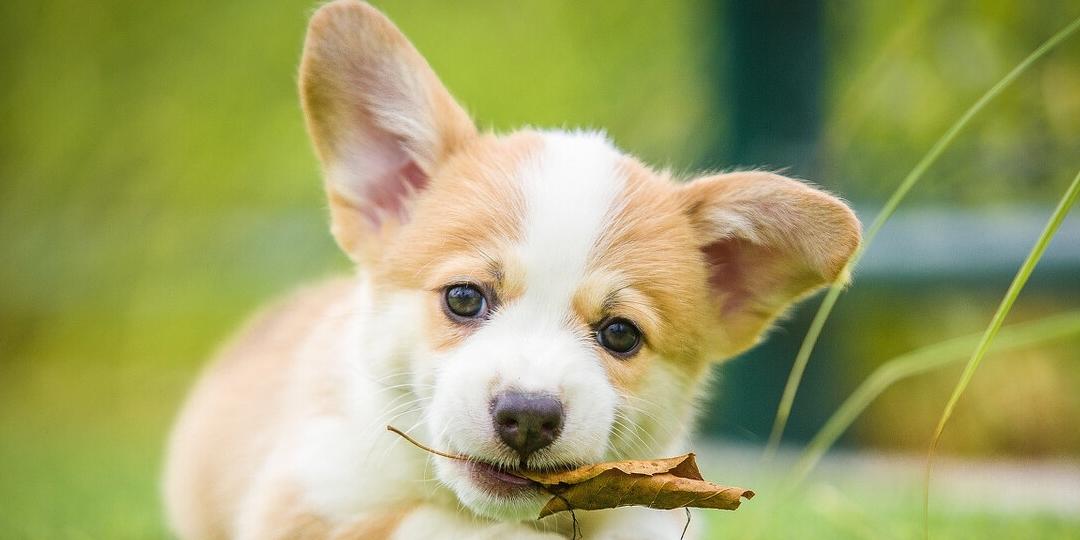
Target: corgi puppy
x=533, y=300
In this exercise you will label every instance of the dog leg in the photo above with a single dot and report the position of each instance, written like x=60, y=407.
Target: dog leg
x=274, y=511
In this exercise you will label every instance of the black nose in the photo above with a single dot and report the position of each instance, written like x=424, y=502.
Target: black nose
x=527, y=422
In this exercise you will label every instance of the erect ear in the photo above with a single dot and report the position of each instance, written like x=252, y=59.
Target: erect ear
x=767, y=241
x=380, y=120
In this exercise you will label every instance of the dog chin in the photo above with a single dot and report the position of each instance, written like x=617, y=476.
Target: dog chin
x=492, y=494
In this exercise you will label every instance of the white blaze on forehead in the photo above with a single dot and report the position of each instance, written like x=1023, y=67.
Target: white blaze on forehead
x=569, y=190
x=570, y=186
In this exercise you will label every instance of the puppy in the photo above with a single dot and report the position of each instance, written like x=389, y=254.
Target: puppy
x=532, y=300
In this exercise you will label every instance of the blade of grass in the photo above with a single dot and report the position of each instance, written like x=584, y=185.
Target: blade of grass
x=783, y=410
x=918, y=362
x=1022, y=275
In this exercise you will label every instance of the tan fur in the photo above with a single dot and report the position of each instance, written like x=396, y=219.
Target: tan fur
x=241, y=404
x=372, y=527
x=367, y=104
x=773, y=240
x=467, y=221
x=283, y=516
x=475, y=209
x=646, y=268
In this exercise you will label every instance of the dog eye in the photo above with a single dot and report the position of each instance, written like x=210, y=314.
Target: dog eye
x=465, y=301
x=619, y=336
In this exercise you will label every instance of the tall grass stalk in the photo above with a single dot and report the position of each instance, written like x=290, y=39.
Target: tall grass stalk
x=783, y=410
x=1022, y=275
x=917, y=362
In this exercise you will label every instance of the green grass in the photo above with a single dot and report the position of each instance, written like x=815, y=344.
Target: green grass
x=881, y=515
x=802, y=358
x=1022, y=275
x=81, y=450
x=918, y=362
x=106, y=492
x=68, y=482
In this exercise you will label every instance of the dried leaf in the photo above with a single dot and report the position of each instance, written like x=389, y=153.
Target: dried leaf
x=663, y=484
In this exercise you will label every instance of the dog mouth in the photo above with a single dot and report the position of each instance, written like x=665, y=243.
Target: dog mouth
x=499, y=481
x=494, y=480
x=503, y=482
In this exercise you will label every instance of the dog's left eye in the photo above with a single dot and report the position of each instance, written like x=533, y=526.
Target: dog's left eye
x=619, y=336
x=465, y=301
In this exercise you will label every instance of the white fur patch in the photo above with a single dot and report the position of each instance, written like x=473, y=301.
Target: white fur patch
x=569, y=192
x=530, y=344
x=333, y=452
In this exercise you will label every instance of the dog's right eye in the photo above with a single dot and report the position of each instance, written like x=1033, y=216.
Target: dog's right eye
x=619, y=336
x=465, y=301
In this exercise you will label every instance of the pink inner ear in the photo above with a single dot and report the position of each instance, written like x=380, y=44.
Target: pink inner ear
x=742, y=273
x=727, y=273
x=748, y=276
x=389, y=196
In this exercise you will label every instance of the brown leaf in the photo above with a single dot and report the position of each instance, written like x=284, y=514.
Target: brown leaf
x=659, y=483
x=663, y=484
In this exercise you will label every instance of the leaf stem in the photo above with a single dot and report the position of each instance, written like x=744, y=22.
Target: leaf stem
x=426, y=448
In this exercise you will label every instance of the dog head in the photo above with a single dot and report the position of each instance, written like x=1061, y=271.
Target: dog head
x=569, y=298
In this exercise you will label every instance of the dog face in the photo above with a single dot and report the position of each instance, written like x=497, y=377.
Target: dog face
x=561, y=286
x=570, y=298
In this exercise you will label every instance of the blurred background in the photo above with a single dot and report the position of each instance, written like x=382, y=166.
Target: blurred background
x=156, y=185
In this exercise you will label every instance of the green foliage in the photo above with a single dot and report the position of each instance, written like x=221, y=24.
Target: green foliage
x=920, y=361
x=902, y=190
x=899, y=72
x=1018, y=283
